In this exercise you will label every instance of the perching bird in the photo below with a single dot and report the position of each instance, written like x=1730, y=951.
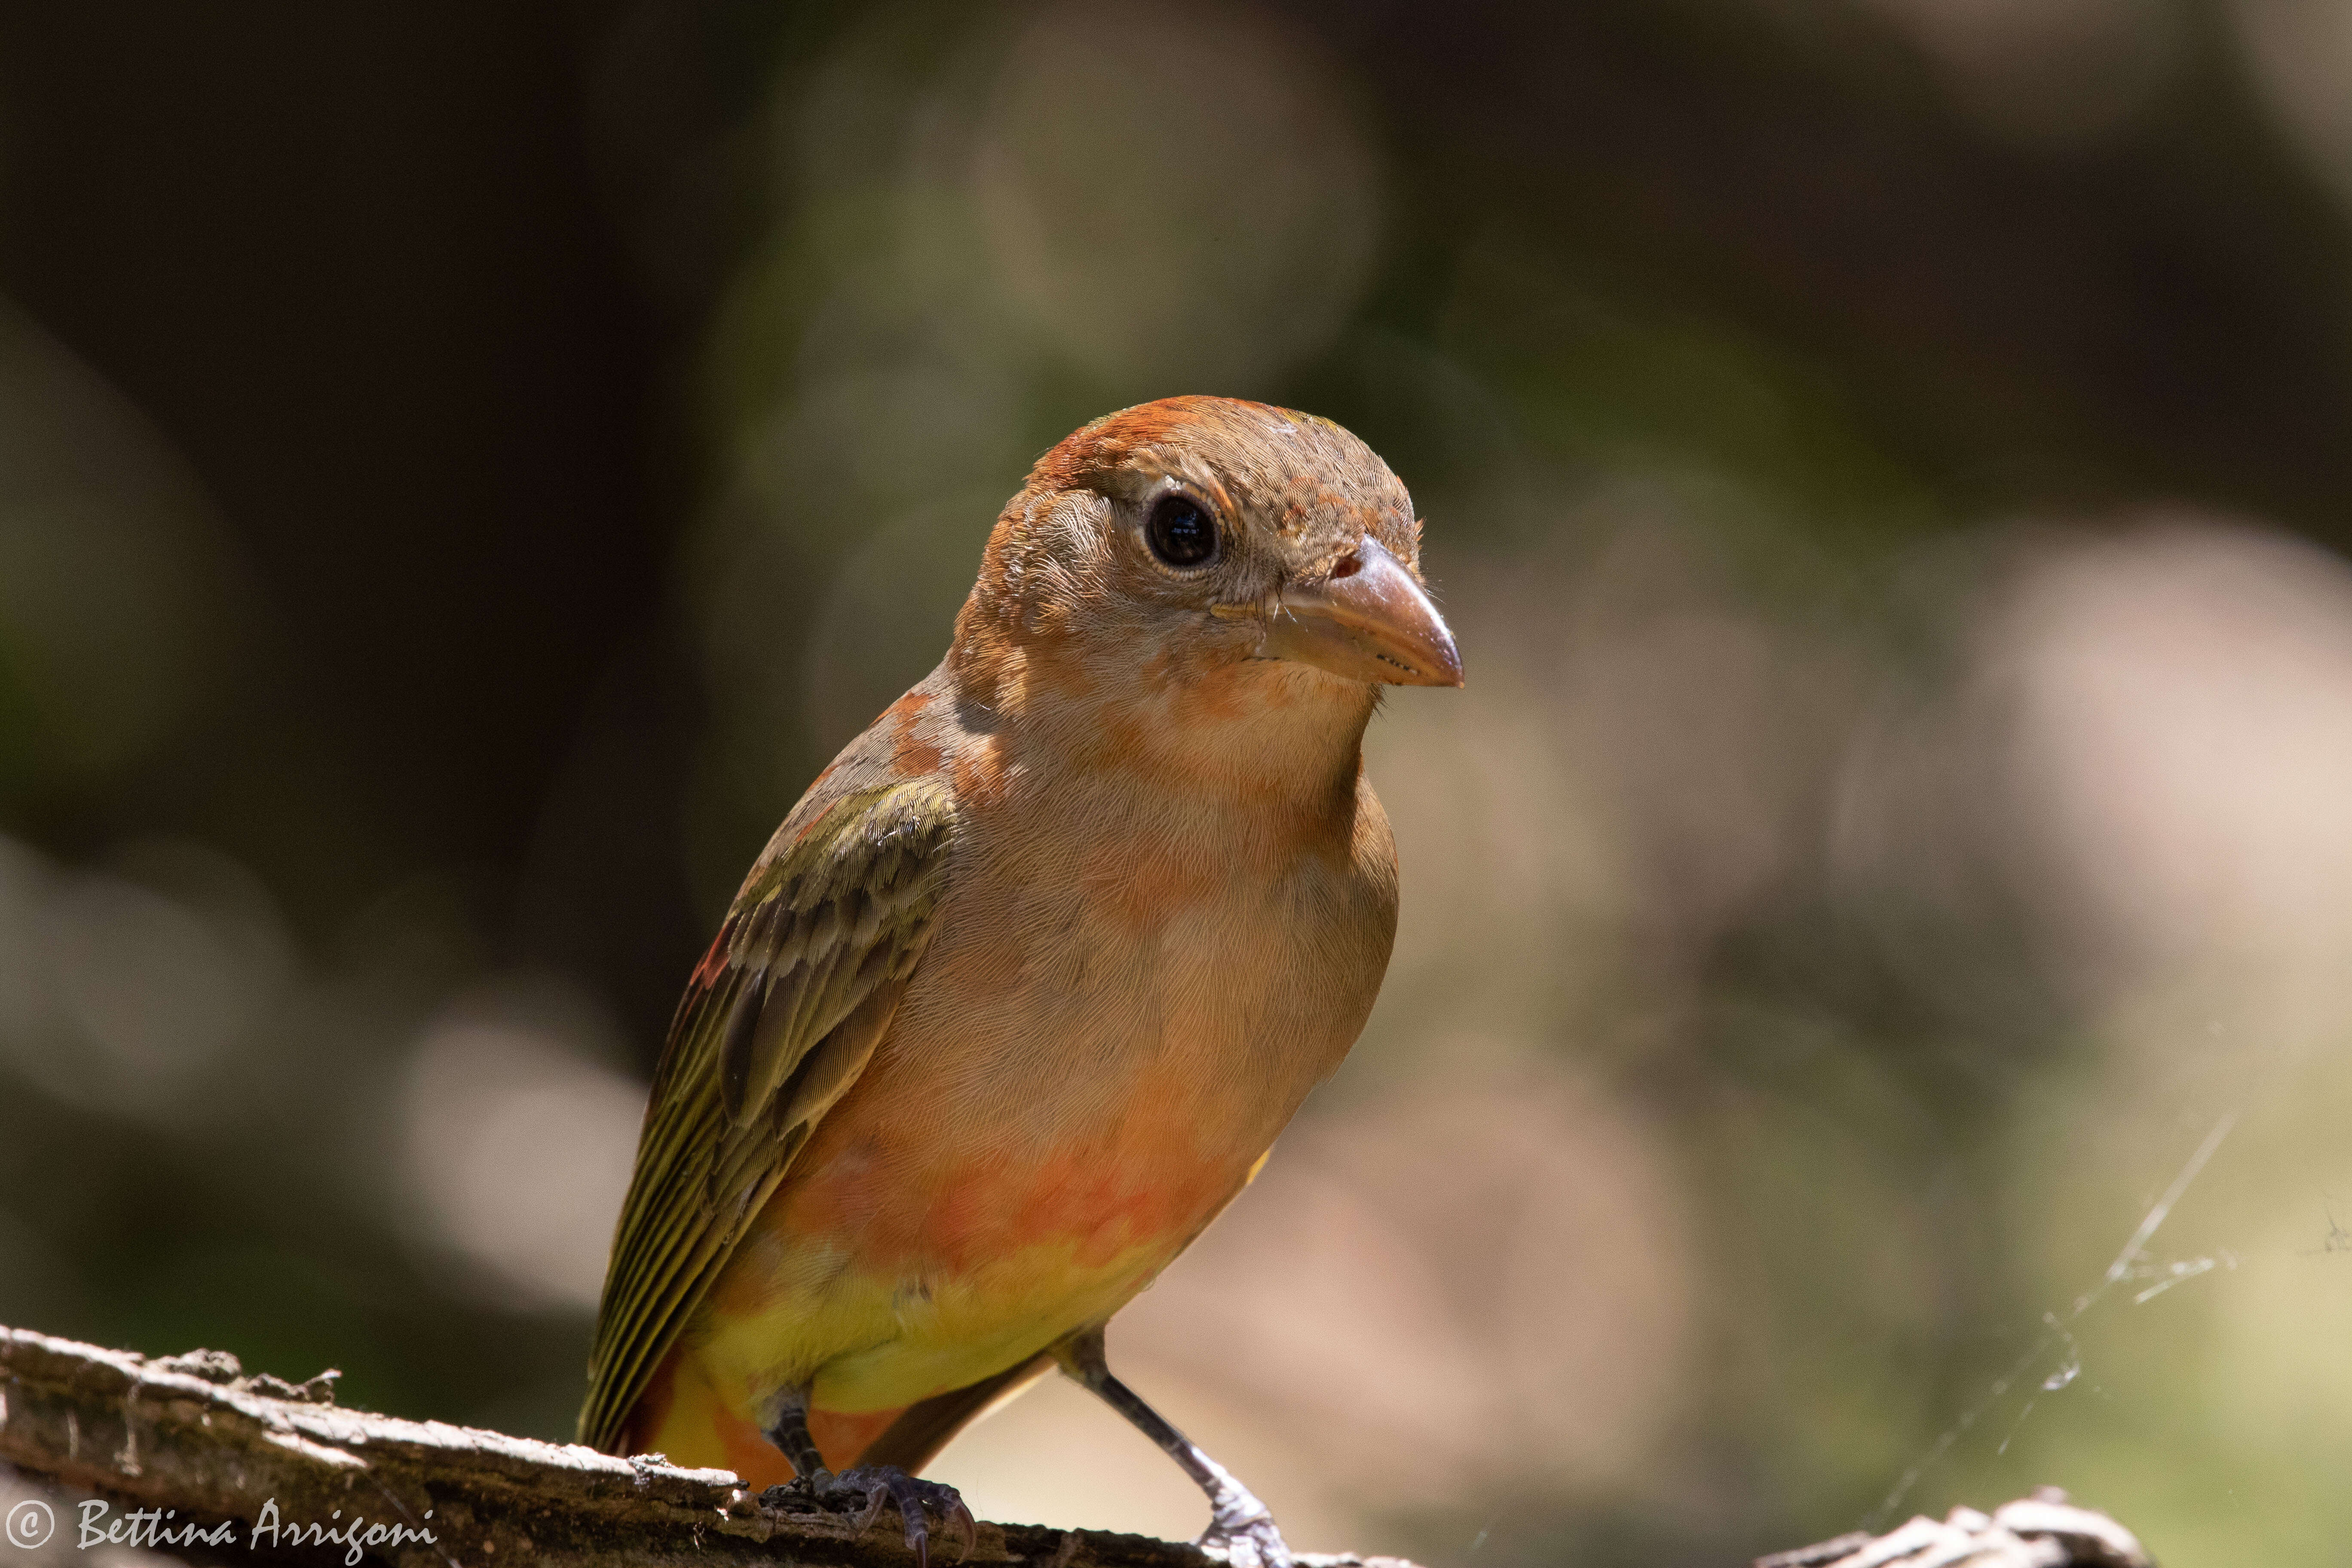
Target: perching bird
x=1020, y=994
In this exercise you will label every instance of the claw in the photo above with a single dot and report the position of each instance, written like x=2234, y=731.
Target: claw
x=1250, y=1542
x=876, y=1496
x=919, y=1529
x=967, y=1527
x=915, y=1500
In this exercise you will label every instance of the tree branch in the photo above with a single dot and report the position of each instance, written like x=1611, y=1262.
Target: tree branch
x=272, y=1472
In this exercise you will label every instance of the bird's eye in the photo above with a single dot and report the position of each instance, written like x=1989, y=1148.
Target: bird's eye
x=1180, y=531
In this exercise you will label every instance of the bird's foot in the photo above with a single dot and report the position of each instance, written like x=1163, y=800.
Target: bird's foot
x=874, y=1486
x=1245, y=1538
x=818, y=1491
x=915, y=1500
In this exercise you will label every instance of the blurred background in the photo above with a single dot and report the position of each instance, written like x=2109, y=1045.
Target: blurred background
x=464, y=468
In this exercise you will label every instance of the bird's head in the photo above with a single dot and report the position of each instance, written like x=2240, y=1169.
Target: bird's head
x=1211, y=549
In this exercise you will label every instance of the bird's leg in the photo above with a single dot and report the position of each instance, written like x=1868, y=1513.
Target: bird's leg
x=872, y=1484
x=788, y=1430
x=1241, y=1531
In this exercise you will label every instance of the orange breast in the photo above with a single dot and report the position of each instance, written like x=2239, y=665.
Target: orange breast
x=907, y=1187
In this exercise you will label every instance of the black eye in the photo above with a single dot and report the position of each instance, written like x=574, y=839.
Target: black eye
x=1180, y=531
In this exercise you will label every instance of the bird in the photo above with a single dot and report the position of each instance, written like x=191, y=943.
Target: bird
x=1019, y=995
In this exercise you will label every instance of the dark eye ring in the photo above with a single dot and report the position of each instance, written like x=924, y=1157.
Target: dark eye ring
x=1180, y=531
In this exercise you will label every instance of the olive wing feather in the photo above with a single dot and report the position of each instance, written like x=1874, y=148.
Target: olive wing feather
x=779, y=1020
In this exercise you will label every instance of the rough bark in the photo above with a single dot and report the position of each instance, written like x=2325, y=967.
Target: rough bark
x=262, y=1467
x=2044, y=1531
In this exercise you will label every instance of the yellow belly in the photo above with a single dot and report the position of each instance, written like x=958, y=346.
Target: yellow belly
x=889, y=1340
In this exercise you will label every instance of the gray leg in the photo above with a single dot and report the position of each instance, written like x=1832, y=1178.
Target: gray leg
x=876, y=1484
x=1241, y=1531
x=789, y=1432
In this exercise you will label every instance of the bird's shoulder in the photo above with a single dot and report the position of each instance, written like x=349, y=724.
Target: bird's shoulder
x=873, y=831
x=917, y=741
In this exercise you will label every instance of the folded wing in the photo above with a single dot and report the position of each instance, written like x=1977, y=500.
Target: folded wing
x=778, y=1022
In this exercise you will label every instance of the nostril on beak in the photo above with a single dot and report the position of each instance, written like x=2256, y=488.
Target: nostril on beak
x=1348, y=568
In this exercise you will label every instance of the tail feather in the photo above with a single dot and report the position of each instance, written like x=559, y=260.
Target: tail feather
x=922, y=1430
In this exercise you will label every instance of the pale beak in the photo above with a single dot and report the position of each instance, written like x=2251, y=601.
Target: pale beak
x=1368, y=621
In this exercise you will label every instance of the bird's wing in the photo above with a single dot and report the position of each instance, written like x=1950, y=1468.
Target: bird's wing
x=779, y=1020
